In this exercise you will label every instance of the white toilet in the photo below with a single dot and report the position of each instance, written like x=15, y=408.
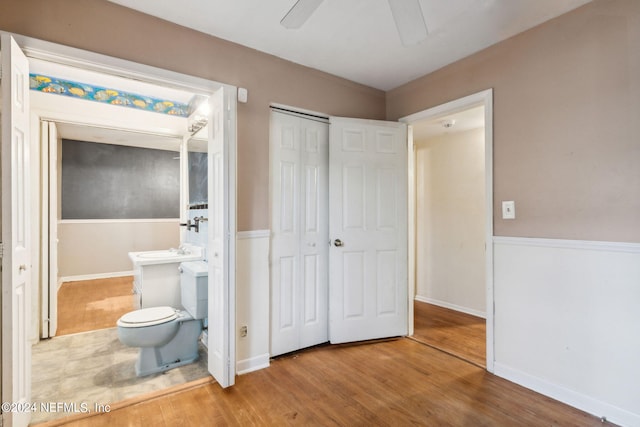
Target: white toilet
x=167, y=336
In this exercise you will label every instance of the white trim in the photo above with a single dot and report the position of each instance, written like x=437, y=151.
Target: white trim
x=253, y=234
x=94, y=276
x=116, y=221
x=450, y=306
x=295, y=111
x=589, y=245
x=484, y=98
x=411, y=229
x=577, y=400
x=451, y=107
x=91, y=61
x=231, y=143
x=253, y=364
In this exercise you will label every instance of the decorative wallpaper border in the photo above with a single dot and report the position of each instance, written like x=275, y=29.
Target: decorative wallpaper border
x=89, y=92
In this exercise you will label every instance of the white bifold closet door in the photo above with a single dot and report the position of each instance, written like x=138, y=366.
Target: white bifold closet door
x=299, y=242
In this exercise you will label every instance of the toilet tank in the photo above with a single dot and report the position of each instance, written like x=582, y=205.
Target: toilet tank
x=194, y=287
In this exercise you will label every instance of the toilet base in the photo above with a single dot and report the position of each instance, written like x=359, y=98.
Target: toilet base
x=143, y=369
x=181, y=350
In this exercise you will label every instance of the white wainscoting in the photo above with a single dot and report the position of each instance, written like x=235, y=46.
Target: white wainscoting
x=252, y=300
x=567, y=322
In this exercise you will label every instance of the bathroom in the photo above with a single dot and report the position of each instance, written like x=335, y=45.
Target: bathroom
x=87, y=248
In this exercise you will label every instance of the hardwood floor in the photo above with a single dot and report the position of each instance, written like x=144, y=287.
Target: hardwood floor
x=397, y=382
x=394, y=382
x=93, y=304
x=456, y=333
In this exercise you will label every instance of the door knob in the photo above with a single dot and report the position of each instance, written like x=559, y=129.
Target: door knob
x=338, y=243
x=22, y=268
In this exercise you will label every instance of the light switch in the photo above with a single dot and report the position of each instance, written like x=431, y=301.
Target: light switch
x=509, y=210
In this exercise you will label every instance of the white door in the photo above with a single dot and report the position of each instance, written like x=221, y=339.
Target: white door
x=299, y=244
x=221, y=341
x=368, y=230
x=49, y=315
x=16, y=257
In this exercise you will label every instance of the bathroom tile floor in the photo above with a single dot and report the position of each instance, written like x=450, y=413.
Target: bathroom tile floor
x=78, y=371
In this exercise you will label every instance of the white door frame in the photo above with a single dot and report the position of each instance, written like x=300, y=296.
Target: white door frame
x=47, y=51
x=49, y=250
x=484, y=98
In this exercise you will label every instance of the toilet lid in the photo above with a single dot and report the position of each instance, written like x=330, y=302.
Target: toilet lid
x=147, y=317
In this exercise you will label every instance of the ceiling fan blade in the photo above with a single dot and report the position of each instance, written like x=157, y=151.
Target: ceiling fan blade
x=299, y=13
x=409, y=20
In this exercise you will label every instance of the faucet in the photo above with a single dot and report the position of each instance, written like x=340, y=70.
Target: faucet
x=195, y=224
x=191, y=225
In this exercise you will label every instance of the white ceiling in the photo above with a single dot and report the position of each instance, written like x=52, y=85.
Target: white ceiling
x=357, y=39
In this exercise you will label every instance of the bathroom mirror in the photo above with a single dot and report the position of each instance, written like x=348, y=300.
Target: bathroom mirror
x=197, y=171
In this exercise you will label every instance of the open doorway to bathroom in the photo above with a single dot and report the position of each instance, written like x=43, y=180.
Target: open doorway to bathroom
x=118, y=192
x=91, y=228
x=450, y=230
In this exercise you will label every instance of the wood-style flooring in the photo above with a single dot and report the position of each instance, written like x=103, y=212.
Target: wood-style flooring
x=89, y=305
x=456, y=333
x=386, y=383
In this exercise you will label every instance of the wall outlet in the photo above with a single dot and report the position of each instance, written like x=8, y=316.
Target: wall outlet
x=243, y=331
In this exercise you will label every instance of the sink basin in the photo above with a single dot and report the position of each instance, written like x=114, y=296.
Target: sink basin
x=162, y=254
x=165, y=256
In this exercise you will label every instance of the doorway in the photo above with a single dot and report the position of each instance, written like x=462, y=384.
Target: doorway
x=86, y=365
x=221, y=141
x=452, y=227
x=86, y=236
x=96, y=218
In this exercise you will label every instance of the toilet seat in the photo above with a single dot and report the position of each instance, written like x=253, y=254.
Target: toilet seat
x=148, y=317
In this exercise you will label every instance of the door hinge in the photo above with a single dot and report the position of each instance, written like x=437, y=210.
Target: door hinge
x=1, y=250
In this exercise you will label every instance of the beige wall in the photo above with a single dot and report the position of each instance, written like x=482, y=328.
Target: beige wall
x=566, y=99
x=450, y=221
x=566, y=122
x=89, y=248
x=107, y=28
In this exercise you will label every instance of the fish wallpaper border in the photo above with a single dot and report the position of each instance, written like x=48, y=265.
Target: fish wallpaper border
x=47, y=84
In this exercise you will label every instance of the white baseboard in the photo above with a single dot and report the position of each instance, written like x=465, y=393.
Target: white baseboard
x=253, y=364
x=585, y=403
x=94, y=276
x=455, y=307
